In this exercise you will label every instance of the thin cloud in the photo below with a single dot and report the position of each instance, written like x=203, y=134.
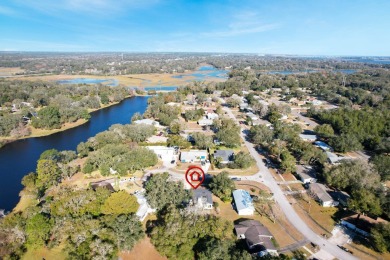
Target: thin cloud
x=240, y=31
x=243, y=22
x=86, y=6
x=7, y=11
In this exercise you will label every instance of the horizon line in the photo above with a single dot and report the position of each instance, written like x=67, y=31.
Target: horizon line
x=199, y=52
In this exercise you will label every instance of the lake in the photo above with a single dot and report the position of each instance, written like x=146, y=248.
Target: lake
x=20, y=157
x=201, y=74
x=108, y=82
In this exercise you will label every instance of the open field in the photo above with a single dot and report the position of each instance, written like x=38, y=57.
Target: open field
x=45, y=253
x=10, y=71
x=143, y=250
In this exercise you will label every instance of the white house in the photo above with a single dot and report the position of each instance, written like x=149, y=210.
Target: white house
x=318, y=190
x=243, y=202
x=334, y=158
x=361, y=224
x=308, y=138
x=163, y=152
x=306, y=173
x=205, y=122
x=193, y=156
x=212, y=116
x=252, y=116
x=144, y=207
x=147, y=121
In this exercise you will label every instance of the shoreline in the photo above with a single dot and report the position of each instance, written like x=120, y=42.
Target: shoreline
x=66, y=126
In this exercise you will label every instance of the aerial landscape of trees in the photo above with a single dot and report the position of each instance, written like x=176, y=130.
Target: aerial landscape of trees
x=98, y=223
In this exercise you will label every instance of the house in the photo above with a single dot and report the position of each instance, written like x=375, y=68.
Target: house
x=262, y=122
x=334, y=158
x=308, y=138
x=252, y=116
x=147, y=121
x=341, y=196
x=202, y=198
x=212, y=116
x=243, y=202
x=226, y=155
x=257, y=237
x=205, y=122
x=320, y=193
x=163, y=152
x=361, y=224
x=306, y=173
x=107, y=184
x=323, y=146
x=193, y=156
x=144, y=207
x=284, y=117
x=243, y=106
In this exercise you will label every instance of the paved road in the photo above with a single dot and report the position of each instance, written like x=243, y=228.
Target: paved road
x=265, y=176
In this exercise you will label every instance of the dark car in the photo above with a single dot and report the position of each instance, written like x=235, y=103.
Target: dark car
x=173, y=161
x=345, y=249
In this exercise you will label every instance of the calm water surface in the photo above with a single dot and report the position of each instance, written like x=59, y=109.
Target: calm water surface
x=20, y=157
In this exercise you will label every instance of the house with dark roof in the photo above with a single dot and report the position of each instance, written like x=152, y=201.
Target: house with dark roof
x=361, y=224
x=107, y=184
x=341, y=196
x=320, y=193
x=227, y=156
x=202, y=198
x=257, y=237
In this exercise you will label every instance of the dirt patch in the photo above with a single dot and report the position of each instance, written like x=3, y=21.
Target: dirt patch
x=143, y=250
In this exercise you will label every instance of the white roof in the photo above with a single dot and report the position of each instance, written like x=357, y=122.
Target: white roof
x=205, y=121
x=147, y=122
x=193, y=155
x=308, y=137
x=144, y=207
x=243, y=200
x=333, y=158
x=160, y=148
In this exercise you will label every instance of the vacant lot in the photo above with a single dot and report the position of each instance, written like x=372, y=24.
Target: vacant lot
x=143, y=250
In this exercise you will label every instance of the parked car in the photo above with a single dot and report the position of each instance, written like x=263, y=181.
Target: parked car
x=173, y=161
x=345, y=249
x=235, y=179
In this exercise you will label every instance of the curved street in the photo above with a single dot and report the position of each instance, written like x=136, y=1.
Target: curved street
x=264, y=176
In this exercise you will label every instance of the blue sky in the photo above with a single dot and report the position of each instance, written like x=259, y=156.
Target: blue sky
x=303, y=27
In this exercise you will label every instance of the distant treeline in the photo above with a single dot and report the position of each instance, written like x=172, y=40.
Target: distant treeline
x=135, y=63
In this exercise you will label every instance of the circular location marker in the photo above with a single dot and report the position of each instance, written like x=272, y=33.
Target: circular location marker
x=195, y=176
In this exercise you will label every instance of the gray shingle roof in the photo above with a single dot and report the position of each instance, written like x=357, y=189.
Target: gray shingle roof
x=202, y=193
x=226, y=155
x=255, y=233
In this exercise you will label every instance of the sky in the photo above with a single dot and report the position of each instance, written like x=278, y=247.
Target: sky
x=300, y=27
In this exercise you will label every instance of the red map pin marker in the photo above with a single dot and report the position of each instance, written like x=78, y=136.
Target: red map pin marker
x=195, y=176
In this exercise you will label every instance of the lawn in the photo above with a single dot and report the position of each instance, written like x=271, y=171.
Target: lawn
x=45, y=253
x=282, y=231
x=143, y=250
x=316, y=216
